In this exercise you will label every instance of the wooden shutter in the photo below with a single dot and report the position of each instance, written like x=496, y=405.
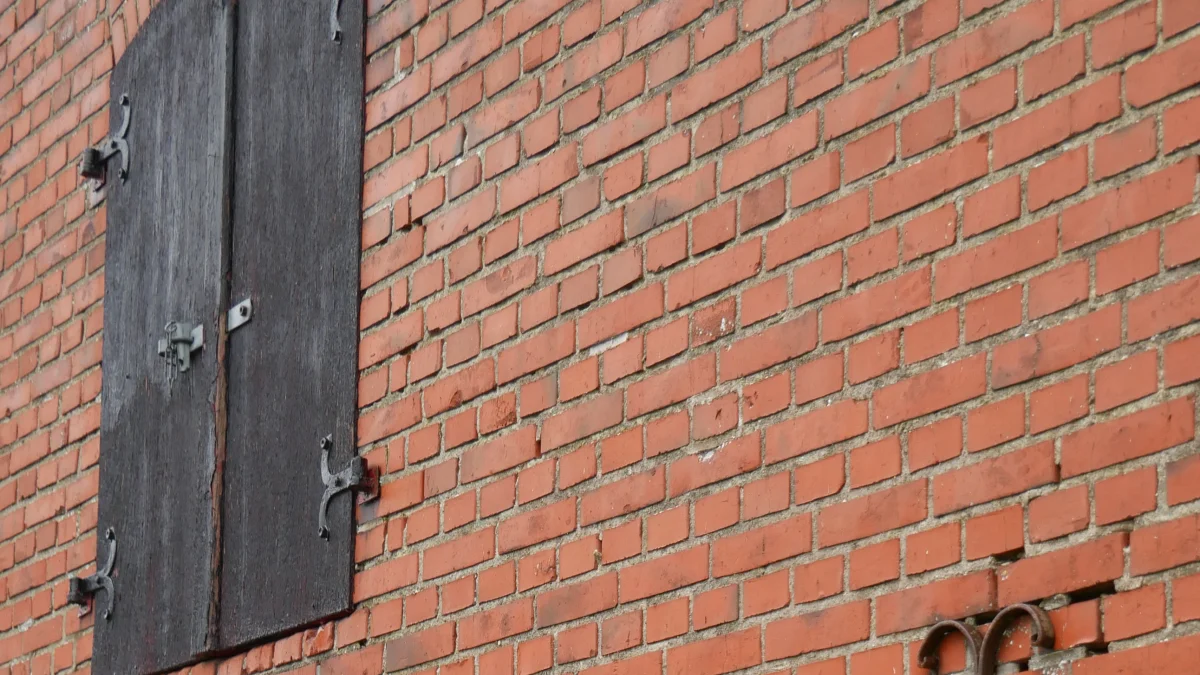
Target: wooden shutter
x=165, y=261
x=293, y=368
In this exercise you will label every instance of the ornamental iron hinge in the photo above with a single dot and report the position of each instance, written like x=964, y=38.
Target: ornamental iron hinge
x=335, y=26
x=176, y=348
x=82, y=591
x=982, y=654
x=95, y=160
x=356, y=477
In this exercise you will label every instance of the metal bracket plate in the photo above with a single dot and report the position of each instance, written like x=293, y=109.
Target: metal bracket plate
x=239, y=315
x=335, y=26
x=81, y=591
x=356, y=477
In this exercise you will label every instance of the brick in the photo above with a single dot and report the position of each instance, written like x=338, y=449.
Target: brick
x=672, y=386
x=1053, y=67
x=870, y=153
x=1054, y=349
x=828, y=20
x=988, y=99
x=1058, y=404
x=1057, y=179
x=573, y=601
x=1009, y=474
x=817, y=228
x=1135, y=435
x=582, y=243
x=763, y=546
x=769, y=347
x=931, y=177
x=1128, y=380
x=656, y=21
x=717, y=655
x=992, y=206
x=928, y=127
x=931, y=337
x=625, y=130
x=1059, y=513
x=1056, y=121
x=620, y=315
x=876, y=98
x=996, y=423
x=1126, y=148
x=935, y=443
x=1128, y=495
x=1062, y=571
x=623, y=496
x=1180, y=128
x=952, y=598
x=996, y=259
x=874, y=564
x=930, y=391
x=932, y=549
x=1168, y=658
x=994, y=41
x=777, y=148
x=714, y=274
x=872, y=514
x=1128, y=205
x=413, y=649
x=876, y=305
x=663, y=574
x=670, y=201
x=815, y=179
x=1059, y=289
x=736, y=457
x=1134, y=613
x=814, y=430
x=995, y=533
x=1164, y=73
x=727, y=76
x=823, y=629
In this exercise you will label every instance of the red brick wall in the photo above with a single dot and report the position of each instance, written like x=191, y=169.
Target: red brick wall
x=697, y=338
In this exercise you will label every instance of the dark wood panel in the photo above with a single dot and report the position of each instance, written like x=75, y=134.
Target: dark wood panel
x=293, y=368
x=166, y=247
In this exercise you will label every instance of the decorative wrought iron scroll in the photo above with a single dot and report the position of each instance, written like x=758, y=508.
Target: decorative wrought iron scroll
x=982, y=654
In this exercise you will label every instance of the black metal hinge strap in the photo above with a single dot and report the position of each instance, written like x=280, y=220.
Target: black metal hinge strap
x=94, y=160
x=982, y=654
x=355, y=477
x=82, y=591
x=335, y=26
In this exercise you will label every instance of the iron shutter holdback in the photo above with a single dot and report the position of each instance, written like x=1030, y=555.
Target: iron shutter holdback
x=356, y=477
x=95, y=160
x=82, y=590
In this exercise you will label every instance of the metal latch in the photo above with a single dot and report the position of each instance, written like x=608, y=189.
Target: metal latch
x=356, y=477
x=239, y=315
x=81, y=591
x=92, y=164
x=176, y=348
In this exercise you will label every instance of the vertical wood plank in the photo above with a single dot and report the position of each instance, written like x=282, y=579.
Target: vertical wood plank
x=293, y=368
x=165, y=261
